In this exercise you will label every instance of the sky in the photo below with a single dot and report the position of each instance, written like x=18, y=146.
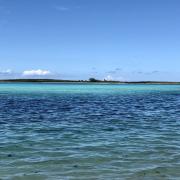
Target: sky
x=128, y=40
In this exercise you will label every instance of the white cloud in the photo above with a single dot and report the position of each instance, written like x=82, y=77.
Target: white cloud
x=108, y=78
x=7, y=71
x=61, y=8
x=114, y=78
x=38, y=72
x=65, y=8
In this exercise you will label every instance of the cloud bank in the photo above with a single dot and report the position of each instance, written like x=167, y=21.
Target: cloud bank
x=38, y=72
x=116, y=74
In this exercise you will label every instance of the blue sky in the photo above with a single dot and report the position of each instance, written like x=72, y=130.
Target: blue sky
x=78, y=39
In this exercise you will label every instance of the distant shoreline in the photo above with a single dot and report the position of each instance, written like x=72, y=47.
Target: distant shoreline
x=85, y=81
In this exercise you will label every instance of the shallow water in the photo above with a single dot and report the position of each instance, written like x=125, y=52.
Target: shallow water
x=73, y=131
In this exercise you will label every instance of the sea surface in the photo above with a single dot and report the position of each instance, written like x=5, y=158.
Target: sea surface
x=89, y=131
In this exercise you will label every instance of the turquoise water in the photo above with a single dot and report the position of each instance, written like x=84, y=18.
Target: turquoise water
x=81, y=131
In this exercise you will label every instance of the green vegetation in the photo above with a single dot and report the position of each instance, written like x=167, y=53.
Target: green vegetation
x=93, y=80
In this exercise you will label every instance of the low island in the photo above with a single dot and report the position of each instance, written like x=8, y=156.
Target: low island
x=91, y=80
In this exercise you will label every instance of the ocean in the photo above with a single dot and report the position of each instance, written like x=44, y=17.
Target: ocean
x=89, y=131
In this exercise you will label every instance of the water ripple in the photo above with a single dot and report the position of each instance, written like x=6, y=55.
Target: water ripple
x=89, y=132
